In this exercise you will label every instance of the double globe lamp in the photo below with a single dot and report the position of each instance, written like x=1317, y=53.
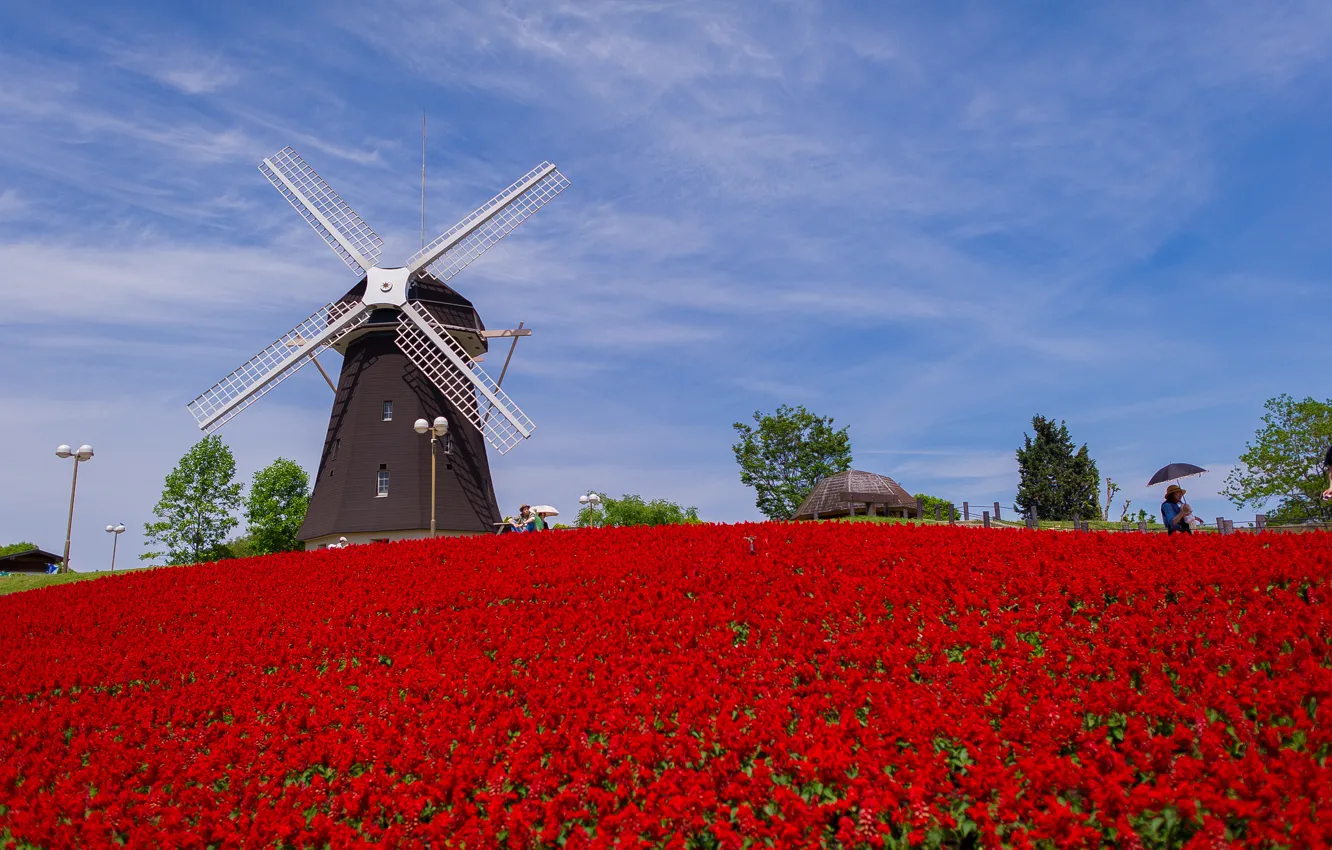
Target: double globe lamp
x=437, y=429
x=590, y=501
x=81, y=454
x=117, y=529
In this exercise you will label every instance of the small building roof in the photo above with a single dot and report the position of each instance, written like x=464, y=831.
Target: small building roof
x=31, y=561
x=831, y=495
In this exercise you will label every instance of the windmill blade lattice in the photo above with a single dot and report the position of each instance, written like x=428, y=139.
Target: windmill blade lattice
x=354, y=241
x=279, y=361
x=457, y=247
x=478, y=398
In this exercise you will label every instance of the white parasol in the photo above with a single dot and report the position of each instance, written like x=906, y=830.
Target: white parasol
x=544, y=510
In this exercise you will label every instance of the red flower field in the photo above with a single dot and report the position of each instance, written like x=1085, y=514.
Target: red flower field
x=844, y=685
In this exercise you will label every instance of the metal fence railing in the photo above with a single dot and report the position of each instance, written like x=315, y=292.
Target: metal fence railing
x=994, y=515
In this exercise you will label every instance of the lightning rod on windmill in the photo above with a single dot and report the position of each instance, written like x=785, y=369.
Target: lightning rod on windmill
x=423, y=140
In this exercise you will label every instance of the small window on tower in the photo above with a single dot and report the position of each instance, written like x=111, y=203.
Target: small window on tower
x=383, y=483
x=387, y=415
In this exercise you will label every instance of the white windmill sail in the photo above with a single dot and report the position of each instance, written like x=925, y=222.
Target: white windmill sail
x=279, y=361
x=424, y=341
x=458, y=246
x=478, y=398
x=332, y=218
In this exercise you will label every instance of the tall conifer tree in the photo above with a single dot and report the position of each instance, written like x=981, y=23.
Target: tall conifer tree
x=1056, y=479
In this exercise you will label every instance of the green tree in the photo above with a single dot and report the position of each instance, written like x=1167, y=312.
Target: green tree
x=241, y=546
x=928, y=504
x=275, y=508
x=197, y=505
x=631, y=509
x=1285, y=462
x=788, y=452
x=15, y=548
x=1055, y=479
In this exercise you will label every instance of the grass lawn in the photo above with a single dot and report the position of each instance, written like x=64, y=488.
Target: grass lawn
x=14, y=582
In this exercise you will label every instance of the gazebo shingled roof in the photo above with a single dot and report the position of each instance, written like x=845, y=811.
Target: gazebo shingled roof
x=830, y=497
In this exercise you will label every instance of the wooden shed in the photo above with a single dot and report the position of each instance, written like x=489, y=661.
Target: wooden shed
x=31, y=561
x=857, y=493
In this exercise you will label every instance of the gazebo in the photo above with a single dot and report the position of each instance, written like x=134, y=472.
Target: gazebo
x=857, y=493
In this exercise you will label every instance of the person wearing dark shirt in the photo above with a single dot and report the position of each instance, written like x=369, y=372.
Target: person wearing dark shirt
x=1174, y=512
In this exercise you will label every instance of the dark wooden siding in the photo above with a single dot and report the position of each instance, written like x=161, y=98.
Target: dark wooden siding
x=358, y=441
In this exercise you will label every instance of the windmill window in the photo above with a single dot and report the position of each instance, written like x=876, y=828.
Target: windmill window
x=383, y=482
x=387, y=414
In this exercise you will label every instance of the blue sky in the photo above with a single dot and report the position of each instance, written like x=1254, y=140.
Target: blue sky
x=929, y=221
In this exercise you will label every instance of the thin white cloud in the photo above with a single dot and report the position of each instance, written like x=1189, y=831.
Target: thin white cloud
x=12, y=204
x=192, y=72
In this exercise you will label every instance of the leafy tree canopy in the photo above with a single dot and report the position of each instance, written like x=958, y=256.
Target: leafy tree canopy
x=1285, y=462
x=631, y=509
x=929, y=503
x=1055, y=479
x=785, y=453
x=275, y=508
x=15, y=548
x=196, y=510
x=241, y=547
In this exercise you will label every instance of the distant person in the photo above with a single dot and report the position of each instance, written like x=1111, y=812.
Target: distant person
x=528, y=521
x=1175, y=512
x=1327, y=463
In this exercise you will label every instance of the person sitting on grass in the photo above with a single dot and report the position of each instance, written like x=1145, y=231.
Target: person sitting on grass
x=528, y=521
x=1175, y=512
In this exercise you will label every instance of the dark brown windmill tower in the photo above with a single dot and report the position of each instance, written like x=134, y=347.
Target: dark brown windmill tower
x=410, y=346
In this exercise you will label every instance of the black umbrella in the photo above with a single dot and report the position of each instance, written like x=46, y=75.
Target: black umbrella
x=1175, y=471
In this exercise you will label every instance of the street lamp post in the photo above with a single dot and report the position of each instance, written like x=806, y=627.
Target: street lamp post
x=117, y=529
x=82, y=453
x=590, y=501
x=437, y=429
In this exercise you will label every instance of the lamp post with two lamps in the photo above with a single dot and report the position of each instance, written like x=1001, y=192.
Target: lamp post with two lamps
x=117, y=529
x=590, y=501
x=437, y=429
x=81, y=454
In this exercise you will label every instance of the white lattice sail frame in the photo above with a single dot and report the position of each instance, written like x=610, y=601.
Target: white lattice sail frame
x=457, y=247
x=279, y=361
x=354, y=241
x=444, y=361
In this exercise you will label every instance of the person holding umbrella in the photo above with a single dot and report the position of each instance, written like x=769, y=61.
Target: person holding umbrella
x=1175, y=512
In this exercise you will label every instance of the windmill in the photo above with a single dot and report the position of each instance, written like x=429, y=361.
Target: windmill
x=411, y=346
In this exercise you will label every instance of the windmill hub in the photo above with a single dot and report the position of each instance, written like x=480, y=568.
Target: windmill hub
x=385, y=287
